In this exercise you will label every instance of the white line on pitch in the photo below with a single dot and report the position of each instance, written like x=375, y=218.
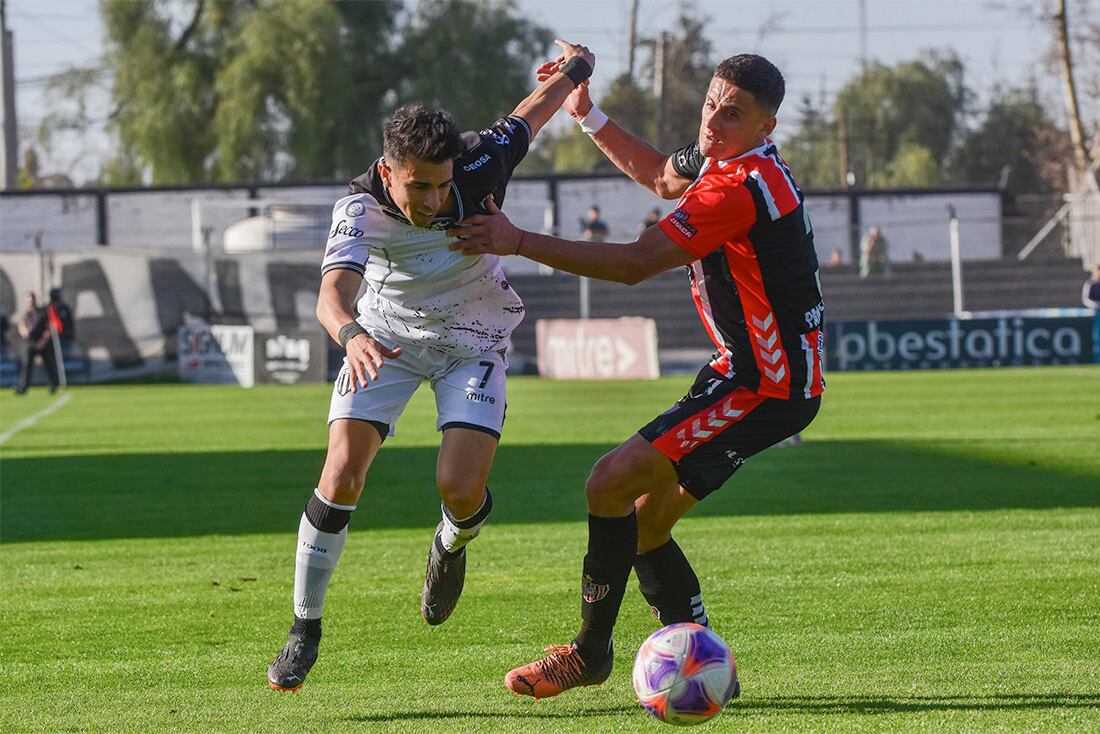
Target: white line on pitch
x=28, y=422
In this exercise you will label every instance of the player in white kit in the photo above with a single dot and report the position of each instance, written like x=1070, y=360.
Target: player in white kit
x=428, y=314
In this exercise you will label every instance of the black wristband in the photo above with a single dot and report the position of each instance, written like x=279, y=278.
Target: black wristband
x=348, y=331
x=576, y=69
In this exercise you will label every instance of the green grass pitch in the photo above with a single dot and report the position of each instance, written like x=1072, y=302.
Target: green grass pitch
x=928, y=561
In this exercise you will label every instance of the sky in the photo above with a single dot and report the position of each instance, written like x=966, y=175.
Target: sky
x=816, y=43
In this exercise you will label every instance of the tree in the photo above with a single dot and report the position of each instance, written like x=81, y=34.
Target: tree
x=297, y=96
x=688, y=68
x=892, y=111
x=687, y=72
x=630, y=105
x=813, y=150
x=475, y=58
x=1015, y=145
x=164, y=83
x=222, y=90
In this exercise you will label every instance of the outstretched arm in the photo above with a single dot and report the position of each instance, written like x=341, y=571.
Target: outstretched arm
x=650, y=254
x=630, y=154
x=539, y=106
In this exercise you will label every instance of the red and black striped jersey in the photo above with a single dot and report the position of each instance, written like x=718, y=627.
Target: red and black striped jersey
x=755, y=278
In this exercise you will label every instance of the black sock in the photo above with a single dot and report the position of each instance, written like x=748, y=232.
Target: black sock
x=612, y=542
x=669, y=584
x=310, y=628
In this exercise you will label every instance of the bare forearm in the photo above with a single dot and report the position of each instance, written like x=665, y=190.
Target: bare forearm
x=604, y=261
x=335, y=309
x=631, y=155
x=539, y=106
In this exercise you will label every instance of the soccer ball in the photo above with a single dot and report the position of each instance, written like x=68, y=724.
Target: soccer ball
x=684, y=674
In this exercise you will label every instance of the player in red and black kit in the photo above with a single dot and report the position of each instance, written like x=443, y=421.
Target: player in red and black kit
x=741, y=231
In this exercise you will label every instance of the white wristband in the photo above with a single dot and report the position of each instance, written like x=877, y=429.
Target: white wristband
x=594, y=121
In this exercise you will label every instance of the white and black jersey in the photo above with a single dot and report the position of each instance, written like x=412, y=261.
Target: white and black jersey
x=419, y=290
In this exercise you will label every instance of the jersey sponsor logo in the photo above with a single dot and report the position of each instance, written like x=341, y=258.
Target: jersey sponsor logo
x=345, y=229
x=592, y=592
x=813, y=316
x=355, y=209
x=477, y=164
x=679, y=220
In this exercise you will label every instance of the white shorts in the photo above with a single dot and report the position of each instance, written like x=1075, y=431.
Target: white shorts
x=469, y=393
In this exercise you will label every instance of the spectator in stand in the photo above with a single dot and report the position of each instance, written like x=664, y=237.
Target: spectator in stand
x=594, y=228
x=874, y=254
x=1090, y=293
x=1090, y=297
x=34, y=328
x=836, y=257
x=651, y=218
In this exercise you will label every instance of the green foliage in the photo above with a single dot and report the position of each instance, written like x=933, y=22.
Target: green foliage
x=630, y=105
x=892, y=111
x=630, y=101
x=164, y=84
x=813, y=151
x=689, y=67
x=1013, y=145
x=907, y=126
x=913, y=165
x=474, y=58
x=221, y=90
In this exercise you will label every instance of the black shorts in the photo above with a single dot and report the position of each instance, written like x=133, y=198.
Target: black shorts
x=710, y=432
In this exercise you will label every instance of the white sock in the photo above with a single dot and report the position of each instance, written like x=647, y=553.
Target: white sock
x=457, y=532
x=315, y=560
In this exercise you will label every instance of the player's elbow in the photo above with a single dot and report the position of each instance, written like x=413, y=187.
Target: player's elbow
x=663, y=190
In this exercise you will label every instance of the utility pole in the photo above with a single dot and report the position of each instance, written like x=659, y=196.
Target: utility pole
x=842, y=133
x=659, y=85
x=633, y=39
x=863, y=36
x=7, y=78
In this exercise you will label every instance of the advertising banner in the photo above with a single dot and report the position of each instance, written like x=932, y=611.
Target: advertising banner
x=597, y=349
x=290, y=358
x=216, y=355
x=946, y=343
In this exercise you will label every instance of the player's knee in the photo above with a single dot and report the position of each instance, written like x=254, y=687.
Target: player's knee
x=463, y=495
x=609, y=480
x=342, y=480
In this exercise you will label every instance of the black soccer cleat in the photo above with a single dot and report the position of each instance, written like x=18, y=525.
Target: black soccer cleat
x=443, y=580
x=288, y=671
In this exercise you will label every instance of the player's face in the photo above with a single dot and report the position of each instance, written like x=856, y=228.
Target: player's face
x=732, y=121
x=418, y=188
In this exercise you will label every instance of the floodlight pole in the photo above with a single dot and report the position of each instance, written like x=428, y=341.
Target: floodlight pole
x=7, y=79
x=956, y=263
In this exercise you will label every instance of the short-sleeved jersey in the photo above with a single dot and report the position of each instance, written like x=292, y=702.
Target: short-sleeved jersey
x=418, y=289
x=755, y=278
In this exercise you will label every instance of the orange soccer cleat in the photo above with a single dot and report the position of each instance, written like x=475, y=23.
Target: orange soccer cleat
x=562, y=669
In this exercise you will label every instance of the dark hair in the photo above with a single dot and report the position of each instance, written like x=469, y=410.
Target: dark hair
x=757, y=75
x=417, y=132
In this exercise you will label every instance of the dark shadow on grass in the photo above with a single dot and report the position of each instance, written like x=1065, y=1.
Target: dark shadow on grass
x=531, y=713
x=914, y=704
x=234, y=493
